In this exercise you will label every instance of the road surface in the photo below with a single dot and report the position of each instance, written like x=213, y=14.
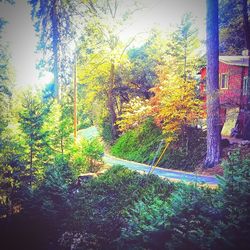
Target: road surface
x=170, y=174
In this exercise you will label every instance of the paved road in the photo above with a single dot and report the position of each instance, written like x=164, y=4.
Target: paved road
x=170, y=174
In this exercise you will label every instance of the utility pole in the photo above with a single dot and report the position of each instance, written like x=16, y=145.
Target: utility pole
x=75, y=99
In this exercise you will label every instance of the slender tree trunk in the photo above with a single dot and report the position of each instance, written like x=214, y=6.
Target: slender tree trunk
x=55, y=42
x=75, y=102
x=246, y=26
x=31, y=164
x=111, y=102
x=62, y=146
x=185, y=60
x=212, y=86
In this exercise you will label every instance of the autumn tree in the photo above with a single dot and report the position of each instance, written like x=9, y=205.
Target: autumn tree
x=172, y=97
x=103, y=59
x=175, y=105
x=212, y=87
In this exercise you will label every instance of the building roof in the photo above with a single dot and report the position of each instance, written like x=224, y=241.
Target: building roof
x=235, y=60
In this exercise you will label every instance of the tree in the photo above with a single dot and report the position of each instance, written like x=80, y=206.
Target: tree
x=31, y=119
x=53, y=21
x=175, y=105
x=6, y=81
x=232, y=40
x=103, y=59
x=58, y=127
x=213, y=103
x=185, y=45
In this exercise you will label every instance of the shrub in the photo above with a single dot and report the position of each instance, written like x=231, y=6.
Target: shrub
x=100, y=205
x=43, y=212
x=184, y=221
x=195, y=218
x=85, y=154
x=235, y=194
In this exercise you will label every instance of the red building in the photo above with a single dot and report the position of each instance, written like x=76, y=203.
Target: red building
x=234, y=94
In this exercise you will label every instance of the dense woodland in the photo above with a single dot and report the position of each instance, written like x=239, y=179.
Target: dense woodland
x=138, y=97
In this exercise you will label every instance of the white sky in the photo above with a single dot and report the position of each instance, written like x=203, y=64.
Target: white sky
x=20, y=34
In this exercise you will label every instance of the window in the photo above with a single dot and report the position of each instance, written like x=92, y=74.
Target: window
x=224, y=81
x=245, y=86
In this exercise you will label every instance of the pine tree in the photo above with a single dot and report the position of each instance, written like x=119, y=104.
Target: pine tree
x=185, y=43
x=54, y=25
x=31, y=119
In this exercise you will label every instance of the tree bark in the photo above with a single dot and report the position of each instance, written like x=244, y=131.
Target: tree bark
x=246, y=26
x=31, y=164
x=212, y=86
x=111, y=101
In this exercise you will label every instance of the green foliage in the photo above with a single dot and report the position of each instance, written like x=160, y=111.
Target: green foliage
x=139, y=144
x=85, y=154
x=232, y=37
x=101, y=203
x=43, y=212
x=13, y=174
x=193, y=217
x=31, y=120
x=106, y=130
x=187, y=152
x=58, y=127
x=177, y=223
x=235, y=193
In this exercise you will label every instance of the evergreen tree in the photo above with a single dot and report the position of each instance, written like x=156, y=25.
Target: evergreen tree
x=232, y=32
x=6, y=78
x=31, y=119
x=185, y=43
x=53, y=20
x=58, y=126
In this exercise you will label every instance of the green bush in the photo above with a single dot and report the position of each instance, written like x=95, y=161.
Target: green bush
x=139, y=144
x=84, y=154
x=101, y=204
x=44, y=210
x=235, y=195
x=193, y=217
x=184, y=221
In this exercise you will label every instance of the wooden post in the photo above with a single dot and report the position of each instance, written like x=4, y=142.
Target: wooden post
x=75, y=100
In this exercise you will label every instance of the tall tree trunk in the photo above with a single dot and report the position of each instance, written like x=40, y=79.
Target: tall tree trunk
x=185, y=59
x=246, y=26
x=55, y=43
x=75, y=100
x=212, y=86
x=111, y=102
x=31, y=164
